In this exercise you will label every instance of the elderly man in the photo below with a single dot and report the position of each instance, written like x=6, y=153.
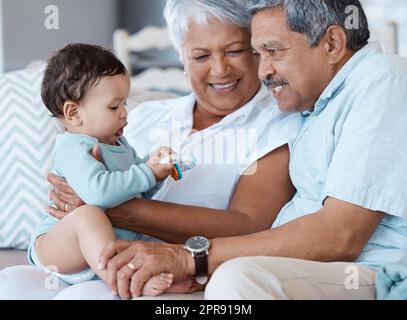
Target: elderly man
x=349, y=165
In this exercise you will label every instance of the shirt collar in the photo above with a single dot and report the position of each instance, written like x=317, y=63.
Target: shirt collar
x=241, y=115
x=183, y=109
x=341, y=76
x=183, y=112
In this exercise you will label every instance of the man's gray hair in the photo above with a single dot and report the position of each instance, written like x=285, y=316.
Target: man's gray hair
x=313, y=18
x=180, y=13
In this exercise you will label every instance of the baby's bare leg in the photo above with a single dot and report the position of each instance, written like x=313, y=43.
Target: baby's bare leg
x=76, y=242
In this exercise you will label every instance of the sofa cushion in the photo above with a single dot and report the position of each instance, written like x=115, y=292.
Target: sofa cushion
x=27, y=139
x=9, y=258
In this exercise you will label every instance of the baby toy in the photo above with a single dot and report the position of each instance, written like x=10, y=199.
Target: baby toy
x=181, y=162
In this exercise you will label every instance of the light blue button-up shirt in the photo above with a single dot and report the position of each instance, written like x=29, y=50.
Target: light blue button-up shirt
x=353, y=147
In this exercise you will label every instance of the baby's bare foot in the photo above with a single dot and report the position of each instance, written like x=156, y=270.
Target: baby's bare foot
x=185, y=286
x=158, y=284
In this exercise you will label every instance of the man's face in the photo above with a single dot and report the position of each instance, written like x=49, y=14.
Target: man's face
x=296, y=74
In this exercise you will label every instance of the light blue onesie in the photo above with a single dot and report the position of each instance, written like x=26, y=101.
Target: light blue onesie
x=122, y=176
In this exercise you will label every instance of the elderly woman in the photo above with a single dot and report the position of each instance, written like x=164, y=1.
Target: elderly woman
x=230, y=123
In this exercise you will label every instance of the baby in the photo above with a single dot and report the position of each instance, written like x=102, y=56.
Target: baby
x=86, y=88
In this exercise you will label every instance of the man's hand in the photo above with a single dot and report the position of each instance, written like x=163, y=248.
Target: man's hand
x=161, y=171
x=148, y=259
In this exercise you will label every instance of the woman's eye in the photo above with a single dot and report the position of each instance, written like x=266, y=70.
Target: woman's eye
x=113, y=108
x=201, y=58
x=272, y=52
x=235, y=52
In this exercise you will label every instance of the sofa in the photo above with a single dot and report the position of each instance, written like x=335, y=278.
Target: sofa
x=12, y=257
x=26, y=141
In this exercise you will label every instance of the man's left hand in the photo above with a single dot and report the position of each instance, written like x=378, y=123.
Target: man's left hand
x=130, y=264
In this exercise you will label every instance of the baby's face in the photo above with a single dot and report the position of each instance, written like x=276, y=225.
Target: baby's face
x=103, y=111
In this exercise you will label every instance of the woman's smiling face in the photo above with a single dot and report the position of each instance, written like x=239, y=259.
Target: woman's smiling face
x=221, y=66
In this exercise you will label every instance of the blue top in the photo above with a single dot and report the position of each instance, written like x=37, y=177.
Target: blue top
x=353, y=148
x=391, y=281
x=122, y=175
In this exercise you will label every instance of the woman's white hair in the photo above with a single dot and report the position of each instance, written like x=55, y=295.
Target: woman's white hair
x=180, y=13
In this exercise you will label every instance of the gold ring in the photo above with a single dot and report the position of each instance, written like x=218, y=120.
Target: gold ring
x=132, y=266
x=66, y=207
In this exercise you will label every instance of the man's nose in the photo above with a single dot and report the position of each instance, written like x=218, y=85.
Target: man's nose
x=266, y=68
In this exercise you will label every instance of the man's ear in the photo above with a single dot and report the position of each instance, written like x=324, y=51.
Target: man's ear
x=72, y=113
x=335, y=44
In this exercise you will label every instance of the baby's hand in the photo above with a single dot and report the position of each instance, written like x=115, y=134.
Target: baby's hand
x=161, y=171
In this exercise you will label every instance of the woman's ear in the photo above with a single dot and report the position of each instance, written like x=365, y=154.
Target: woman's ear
x=335, y=44
x=72, y=113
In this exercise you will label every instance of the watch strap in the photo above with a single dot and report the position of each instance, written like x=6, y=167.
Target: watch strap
x=201, y=264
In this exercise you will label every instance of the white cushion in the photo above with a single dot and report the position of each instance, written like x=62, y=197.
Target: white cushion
x=26, y=143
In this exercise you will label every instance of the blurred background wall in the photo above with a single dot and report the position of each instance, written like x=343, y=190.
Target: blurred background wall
x=24, y=38
x=390, y=10
x=136, y=14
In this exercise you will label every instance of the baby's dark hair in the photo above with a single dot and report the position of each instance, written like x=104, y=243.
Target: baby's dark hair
x=72, y=71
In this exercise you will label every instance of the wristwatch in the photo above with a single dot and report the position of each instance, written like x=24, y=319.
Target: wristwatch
x=198, y=247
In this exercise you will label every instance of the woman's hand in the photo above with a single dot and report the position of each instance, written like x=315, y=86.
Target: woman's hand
x=130, y=264
x=63, y=196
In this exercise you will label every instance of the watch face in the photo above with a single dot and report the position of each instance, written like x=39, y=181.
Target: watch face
x=197, y=244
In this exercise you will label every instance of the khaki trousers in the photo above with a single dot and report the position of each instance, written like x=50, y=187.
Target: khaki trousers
x=274, y=278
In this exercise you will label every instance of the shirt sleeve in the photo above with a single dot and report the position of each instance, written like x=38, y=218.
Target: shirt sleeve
x=369, y=164
x=150, y=193
x=137, y=159
x=281, y=130
x=93, y=183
